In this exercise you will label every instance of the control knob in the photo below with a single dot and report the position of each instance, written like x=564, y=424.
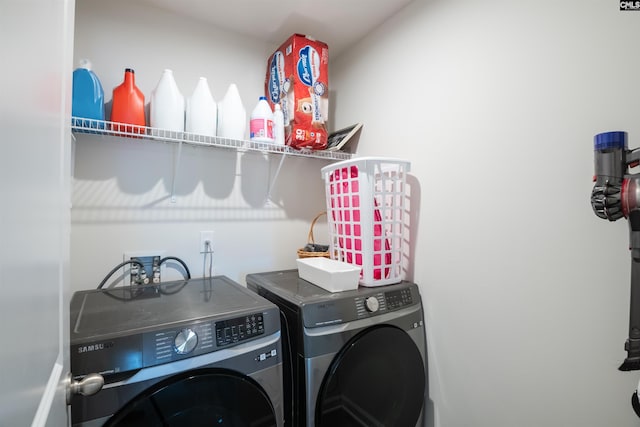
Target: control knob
x=185, y=341
x=372, y=304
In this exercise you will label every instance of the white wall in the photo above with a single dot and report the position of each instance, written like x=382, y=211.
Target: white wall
x=121, y=187
x=34, y=211
x=496, y=104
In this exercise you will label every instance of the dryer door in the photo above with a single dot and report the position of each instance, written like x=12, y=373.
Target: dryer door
x=377, y=379
x=211, y=397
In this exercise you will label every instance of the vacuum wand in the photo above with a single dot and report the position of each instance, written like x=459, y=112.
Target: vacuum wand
x=632, y=346
x=616, y=194
x=632, y=362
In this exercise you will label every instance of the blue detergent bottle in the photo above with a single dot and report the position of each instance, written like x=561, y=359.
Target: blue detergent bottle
x=87, y=97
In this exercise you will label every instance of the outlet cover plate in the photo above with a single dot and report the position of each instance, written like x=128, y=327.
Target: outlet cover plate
x=204, y=236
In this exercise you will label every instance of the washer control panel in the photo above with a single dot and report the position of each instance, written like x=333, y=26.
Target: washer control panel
x=169, y=344
x=239, y=329
x=199, y=338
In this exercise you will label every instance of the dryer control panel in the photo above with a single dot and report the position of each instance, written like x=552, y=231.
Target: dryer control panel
x=360, y=304
x=399, y=298
x=383, y=301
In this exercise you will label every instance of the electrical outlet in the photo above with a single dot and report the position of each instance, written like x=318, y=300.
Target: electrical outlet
x=151, y=263
x=206, y=236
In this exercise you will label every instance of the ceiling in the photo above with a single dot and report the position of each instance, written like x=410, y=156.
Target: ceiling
x=339, y=23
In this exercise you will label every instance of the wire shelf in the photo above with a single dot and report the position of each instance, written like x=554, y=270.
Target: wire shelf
x=106, y=128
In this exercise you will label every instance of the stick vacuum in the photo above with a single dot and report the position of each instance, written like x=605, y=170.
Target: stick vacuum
x=616, y=194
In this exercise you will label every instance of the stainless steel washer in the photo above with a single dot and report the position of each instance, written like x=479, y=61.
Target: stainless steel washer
x=186, y=353
x=354, y=358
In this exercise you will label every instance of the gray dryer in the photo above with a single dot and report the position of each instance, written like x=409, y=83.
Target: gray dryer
x=353, y=358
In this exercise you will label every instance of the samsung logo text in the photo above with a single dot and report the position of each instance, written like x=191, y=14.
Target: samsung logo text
x=94, y=347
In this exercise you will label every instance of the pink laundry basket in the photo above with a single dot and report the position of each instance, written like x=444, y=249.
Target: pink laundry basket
x=366, y=216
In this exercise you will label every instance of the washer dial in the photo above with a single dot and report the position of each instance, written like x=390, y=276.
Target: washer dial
x=372, y=304
x=185, y=341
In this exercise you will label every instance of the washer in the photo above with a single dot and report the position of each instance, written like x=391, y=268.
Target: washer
x=186, y=353
x=353, y=358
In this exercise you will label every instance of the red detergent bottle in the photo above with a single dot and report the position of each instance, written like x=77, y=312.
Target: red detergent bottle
x=128, y=105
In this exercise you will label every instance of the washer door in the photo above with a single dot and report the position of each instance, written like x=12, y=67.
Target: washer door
x=211, y=397
x=377, y=379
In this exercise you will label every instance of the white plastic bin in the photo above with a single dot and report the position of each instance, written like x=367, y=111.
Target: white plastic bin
x=366, y=216
x=332, y=275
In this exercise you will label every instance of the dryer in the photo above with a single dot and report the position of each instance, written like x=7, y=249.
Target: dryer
x=186, y=353
x=353, y=358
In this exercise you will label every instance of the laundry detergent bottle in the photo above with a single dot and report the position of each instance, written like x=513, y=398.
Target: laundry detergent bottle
x=261, y=123
x=232, y=116
x=128, y=105
x=201, y=112
x=87, y=97
x=166, y=108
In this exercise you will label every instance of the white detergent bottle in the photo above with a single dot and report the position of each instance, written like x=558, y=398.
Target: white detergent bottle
x=166, y=106
x=278, y=125
x=201, y=111
x=261, y=124
x=232, y=117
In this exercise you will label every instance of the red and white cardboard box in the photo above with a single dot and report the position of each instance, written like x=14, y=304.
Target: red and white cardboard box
x=297, y=79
